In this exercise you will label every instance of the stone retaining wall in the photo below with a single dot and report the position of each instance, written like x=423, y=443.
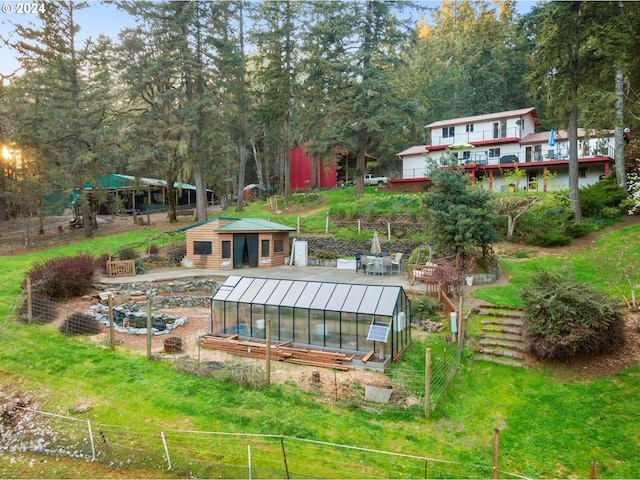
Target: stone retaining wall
x=173, y=294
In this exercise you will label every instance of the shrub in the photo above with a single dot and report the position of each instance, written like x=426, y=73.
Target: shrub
x=127, y=254
x=577, y=229
x=604, y=194
x=325, y=255
x=549, y=239
x=426, y=306
x=566, y=319
x=80, y=324
x=64, y=277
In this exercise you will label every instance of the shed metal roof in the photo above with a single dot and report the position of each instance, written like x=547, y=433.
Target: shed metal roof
x=252, y=224
x=344, y=297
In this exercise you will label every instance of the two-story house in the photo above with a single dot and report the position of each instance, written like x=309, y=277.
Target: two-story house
x=488, y=146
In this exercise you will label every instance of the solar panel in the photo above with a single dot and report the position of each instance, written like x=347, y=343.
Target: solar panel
x=378, y=333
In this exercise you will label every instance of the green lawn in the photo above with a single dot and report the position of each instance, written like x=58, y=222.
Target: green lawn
x=548, y=427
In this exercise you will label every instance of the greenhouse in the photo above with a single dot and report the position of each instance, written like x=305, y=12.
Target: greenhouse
x=321, y=315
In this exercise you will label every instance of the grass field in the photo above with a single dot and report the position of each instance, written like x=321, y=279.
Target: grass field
x=551, y=425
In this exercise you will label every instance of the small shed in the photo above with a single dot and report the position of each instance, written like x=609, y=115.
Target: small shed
x=228, y=243
x=320, y=315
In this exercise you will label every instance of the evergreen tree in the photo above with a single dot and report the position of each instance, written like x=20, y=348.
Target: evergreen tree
x=61, y=105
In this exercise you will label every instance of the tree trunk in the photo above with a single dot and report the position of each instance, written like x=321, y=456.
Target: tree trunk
x=621, y=176
x=242, y=151
x=511, y=225
x=361, y=160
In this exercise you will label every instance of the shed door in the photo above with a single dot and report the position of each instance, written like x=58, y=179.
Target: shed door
x=245, y=249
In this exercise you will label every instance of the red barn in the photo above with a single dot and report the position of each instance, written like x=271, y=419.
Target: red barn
x=307, y=172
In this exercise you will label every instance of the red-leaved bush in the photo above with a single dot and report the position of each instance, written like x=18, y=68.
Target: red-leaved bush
x=64, y=277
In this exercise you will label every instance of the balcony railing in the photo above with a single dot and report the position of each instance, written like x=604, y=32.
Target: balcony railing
x=521, y=157
x=479, y=136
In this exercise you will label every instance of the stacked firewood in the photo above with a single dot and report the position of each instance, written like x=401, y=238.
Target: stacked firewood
x=282, y=352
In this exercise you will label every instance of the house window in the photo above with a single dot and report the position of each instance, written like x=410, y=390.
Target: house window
x=265, y=248
x=494, y=153
x=202, y=248
x=496, y=130
x=469, y=128
x=226, y=249
x=448, y=132
x=582, y=172
x=278, y=246
x=466, y=155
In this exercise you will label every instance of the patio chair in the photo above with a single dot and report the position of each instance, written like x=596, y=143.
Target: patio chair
x=387, y=265
x=396, y=262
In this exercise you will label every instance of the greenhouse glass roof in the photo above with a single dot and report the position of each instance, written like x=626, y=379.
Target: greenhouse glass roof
x=343, y=297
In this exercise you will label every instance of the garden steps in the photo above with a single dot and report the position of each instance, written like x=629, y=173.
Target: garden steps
x=501, y=340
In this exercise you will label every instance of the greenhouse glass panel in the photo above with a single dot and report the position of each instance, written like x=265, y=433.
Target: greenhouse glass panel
x=244, y=319
x=353, y=300
x=323, y=295
x=388, y=301
x=293, y=294
x=370, y=300
x=266, y=291
x=279, y=292
x=349, y=331
x=286, y=324
x=308, y=294
x=252, y=290
x=318, y=331
x=239, y=289
x=301, y=325
x=272, y=313
x=336, y=301
x=333, y=329
x=258, y=327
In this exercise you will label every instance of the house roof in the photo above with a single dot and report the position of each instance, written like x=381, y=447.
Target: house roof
x=243, y=225
x=252, y=225
x=117, y=180
x=339, y=297
x=486, y=117
x=415, y=150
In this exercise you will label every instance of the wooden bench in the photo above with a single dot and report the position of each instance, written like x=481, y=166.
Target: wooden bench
x=185, y=213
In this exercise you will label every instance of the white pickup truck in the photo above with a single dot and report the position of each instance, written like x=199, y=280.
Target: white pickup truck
x=369, y=180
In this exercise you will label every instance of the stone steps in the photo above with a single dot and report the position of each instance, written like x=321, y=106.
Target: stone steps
x=501, y=340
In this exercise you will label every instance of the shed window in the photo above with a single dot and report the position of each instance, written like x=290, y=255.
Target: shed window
x=226, y=249
x=265, y=248
x=202, y=248
x=278, y=246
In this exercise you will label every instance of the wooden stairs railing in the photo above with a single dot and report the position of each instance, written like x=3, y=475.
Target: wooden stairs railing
x=501, y=339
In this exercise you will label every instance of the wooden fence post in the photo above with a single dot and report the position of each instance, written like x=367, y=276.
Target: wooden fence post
x=496, y=447
x=29, y=302
x=112, y=340
x=268, y=353
x=594, y=469
x=326, y=225
x=149, y=329
x=427, y=383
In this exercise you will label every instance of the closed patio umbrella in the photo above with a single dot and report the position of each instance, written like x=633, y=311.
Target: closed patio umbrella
x=552, y=138
x=375, y=244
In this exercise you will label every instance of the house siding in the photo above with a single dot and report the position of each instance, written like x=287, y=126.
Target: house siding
x=207, y=233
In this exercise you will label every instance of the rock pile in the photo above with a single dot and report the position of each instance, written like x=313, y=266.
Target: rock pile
x=130, y=319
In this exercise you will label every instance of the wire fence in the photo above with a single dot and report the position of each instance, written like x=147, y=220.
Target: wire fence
x=203, y=454
x=177, y=337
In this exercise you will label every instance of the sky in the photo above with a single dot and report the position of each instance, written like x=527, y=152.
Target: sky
x=100, y=18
